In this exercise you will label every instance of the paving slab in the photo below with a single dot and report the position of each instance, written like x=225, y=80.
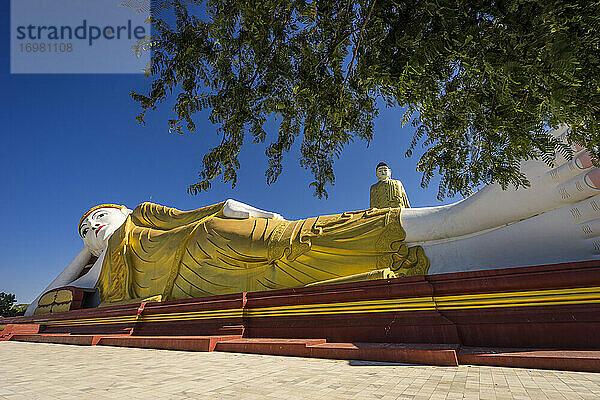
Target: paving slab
x=55, y=371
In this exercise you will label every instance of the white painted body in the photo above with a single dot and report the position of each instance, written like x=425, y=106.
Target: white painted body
x=66, y=277
x=556, y=220
x=552, y=237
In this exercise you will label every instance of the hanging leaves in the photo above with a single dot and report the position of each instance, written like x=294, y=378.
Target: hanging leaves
x=481, y=81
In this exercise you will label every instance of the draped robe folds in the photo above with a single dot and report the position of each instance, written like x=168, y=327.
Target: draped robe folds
x=388, y=193
x=182, y=254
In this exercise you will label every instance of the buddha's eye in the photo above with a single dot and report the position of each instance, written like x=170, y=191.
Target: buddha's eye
x=100, y=215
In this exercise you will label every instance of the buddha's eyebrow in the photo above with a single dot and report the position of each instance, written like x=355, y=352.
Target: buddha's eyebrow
x=96, y=213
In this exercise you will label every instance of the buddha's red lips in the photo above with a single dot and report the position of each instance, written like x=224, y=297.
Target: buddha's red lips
x=98, y=230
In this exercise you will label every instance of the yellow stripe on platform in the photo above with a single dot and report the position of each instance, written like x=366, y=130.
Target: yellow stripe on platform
x=530, y=298
x=231, y=313
x=366, y=306
x=520, y=299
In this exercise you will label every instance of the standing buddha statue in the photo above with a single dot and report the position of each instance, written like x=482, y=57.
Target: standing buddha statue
x=387, y=192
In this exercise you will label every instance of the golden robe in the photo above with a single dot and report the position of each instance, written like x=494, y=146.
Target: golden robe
x=388, y=193
x=184, y=254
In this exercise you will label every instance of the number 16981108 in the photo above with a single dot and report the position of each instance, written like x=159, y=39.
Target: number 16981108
x=46, y=47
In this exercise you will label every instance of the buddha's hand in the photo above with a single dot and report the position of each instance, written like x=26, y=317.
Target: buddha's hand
x=565, y=183
x=236, y=209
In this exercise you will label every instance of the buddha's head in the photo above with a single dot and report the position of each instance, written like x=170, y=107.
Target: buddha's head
x=99, y=223
x=383, y=171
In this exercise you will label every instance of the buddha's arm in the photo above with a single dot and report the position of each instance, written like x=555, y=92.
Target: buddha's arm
x=568, y=183
x=90, y=278
x=155, y=216
x=160, y=217
x=68, y=275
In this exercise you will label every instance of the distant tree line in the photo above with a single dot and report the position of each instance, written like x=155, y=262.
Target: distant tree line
x=8, y=308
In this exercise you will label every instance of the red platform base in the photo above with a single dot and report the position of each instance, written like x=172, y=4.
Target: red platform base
x=186, y=343
x=17, y=329
x=440, y=355
x=569, y=360
x=444, y=355
x=552, y=311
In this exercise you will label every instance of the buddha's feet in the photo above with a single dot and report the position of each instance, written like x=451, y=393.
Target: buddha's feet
x=557, y=219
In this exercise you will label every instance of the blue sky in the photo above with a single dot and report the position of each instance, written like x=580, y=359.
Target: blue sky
x=70, y=142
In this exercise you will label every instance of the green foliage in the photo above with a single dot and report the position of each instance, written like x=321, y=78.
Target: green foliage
x=7, y=307
x=481, y=81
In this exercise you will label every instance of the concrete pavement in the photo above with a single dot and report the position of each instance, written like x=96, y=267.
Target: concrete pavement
x=53, y=371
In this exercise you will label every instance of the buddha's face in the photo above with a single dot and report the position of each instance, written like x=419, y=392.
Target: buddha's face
x=383, y=173
x=96, y=228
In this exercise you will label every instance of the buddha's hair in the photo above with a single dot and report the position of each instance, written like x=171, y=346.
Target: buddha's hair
x=381, y=164
x=91, y=210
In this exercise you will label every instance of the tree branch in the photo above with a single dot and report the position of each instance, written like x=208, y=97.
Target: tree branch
x=364, y=25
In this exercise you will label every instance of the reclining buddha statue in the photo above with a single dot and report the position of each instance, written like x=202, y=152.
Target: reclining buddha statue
x=229, y=247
